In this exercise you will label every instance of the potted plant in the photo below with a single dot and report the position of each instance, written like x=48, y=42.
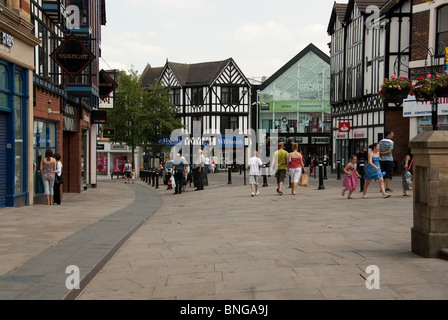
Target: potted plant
x=395, y=89
x=423, y=89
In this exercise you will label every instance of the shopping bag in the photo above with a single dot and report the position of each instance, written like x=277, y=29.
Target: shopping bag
x=171, y=183
x=303, y=182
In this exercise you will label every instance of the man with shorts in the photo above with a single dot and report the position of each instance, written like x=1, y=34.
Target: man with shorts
x=127, y=172
x=280, y=163
x=254, y=166
x=387, y=159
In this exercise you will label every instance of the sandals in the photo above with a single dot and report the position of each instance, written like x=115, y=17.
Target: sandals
x=387, y=196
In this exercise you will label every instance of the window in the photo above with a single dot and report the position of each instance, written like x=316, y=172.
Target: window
x=442, y=30
x=230, y=95
x=197, y=98
x=44, y=138
x=19, y=130
x=229, y=123
x=175, y=97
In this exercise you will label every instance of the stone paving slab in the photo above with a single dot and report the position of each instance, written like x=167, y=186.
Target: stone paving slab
x=222, y=244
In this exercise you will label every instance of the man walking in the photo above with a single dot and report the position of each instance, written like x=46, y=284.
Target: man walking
x=280, y=163
x=127, y=171
x=387, y=159
x=200, y=171
x=254, y=166
x=179, y=169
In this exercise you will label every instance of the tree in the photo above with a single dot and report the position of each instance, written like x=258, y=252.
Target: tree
x=141, y=116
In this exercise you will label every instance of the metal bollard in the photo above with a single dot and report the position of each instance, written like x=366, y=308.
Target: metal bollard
x=325, y=170
x=149, y=177
x=229, y=174
x=157, y=179
x=338, y=169
x=321, y=177
x=153, y=174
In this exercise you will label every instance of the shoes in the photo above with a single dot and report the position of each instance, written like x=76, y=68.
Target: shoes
x=257, y=194
x=389, y=190
x=253, y=194
x=364, y=197
x=387, y=196
x=406, y=195
x=198, y=189
x=176, y=193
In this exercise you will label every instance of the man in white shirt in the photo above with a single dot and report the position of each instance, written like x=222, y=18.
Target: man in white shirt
x=254, y=165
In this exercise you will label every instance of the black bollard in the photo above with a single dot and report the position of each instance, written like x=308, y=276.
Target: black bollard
x=321, y=176
x=153, y=174
x=229, y=170
x=157, y=179
x=338, y=169
x=325, y=170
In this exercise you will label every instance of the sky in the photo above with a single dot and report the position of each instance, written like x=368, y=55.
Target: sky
x=260, y=35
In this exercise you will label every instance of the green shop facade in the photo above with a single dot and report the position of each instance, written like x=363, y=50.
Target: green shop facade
x=295, y=101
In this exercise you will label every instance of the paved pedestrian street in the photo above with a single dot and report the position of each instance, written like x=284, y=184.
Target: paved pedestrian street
x=135, y=242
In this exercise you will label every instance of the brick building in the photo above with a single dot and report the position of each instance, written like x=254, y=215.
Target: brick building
x=16, y=102
x=429, y=34
x=65, y=98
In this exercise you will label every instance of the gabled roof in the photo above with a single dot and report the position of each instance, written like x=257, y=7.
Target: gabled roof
x=310, y=48
x=338, y=12
x=150, y=75
x=364, y=4
x=198, y=74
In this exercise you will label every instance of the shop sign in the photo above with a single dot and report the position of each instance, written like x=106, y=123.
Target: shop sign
x=341, y=135
x=100, y=147
x=166, y=140
x=71, y=118
x=320, y=140
x=360, y=133
x=229, y=141
x=107, y=103
x=72, y=56
x=106, y=85
x=99, y=117
x=412, y=108
x=344, y=127
x=446, y=58
x=108, y=133
x=265, y=107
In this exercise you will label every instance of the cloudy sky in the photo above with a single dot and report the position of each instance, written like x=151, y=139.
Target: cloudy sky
x=260, y=35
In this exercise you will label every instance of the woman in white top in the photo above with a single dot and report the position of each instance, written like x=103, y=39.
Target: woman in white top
x=57, y=198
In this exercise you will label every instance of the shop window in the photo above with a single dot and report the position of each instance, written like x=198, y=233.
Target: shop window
x=44, y=138
x=442, y=30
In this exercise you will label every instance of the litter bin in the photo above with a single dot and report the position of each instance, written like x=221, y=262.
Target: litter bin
x=203, y=175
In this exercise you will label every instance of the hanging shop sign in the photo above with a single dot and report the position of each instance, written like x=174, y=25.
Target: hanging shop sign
x=73, y=56
x=344, y=127
x=99, y=116
x=71, y=118
x=106, y=84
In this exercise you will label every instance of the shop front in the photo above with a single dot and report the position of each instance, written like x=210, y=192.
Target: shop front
x=420, y=114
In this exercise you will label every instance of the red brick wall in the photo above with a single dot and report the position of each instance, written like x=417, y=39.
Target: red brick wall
x=72, y=162
x=400, y=126
x=25, y=6
x=420, y=35
x=41, y=112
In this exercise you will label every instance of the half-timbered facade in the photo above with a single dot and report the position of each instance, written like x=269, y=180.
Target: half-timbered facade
x=367, y=37
x=214, y=97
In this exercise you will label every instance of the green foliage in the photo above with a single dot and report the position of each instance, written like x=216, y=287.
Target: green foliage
x=141, y=116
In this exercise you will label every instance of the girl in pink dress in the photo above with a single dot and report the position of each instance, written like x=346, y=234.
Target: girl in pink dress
x=351, y=177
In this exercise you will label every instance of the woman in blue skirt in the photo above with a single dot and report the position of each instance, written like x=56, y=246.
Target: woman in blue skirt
x=373, y=171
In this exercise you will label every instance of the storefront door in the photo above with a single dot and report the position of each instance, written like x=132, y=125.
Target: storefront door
x=2, y=159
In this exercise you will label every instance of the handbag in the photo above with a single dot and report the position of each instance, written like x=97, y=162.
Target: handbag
x=303, y=182
x=407, y=180
x=58, y=179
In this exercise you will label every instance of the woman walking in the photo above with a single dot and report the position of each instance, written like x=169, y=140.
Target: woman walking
x=408, y=172
x=48, y=167
x=373, y=171
x=58, y=180
x=295, y=165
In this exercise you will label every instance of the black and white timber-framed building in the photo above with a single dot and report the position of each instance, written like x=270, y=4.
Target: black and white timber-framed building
x=367, y=37
x=214, y=97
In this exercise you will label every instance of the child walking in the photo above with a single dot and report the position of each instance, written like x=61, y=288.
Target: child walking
x=351, y=176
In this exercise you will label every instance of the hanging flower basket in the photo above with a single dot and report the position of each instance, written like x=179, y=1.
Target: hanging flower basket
x=426, y=88
x=395, y=89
